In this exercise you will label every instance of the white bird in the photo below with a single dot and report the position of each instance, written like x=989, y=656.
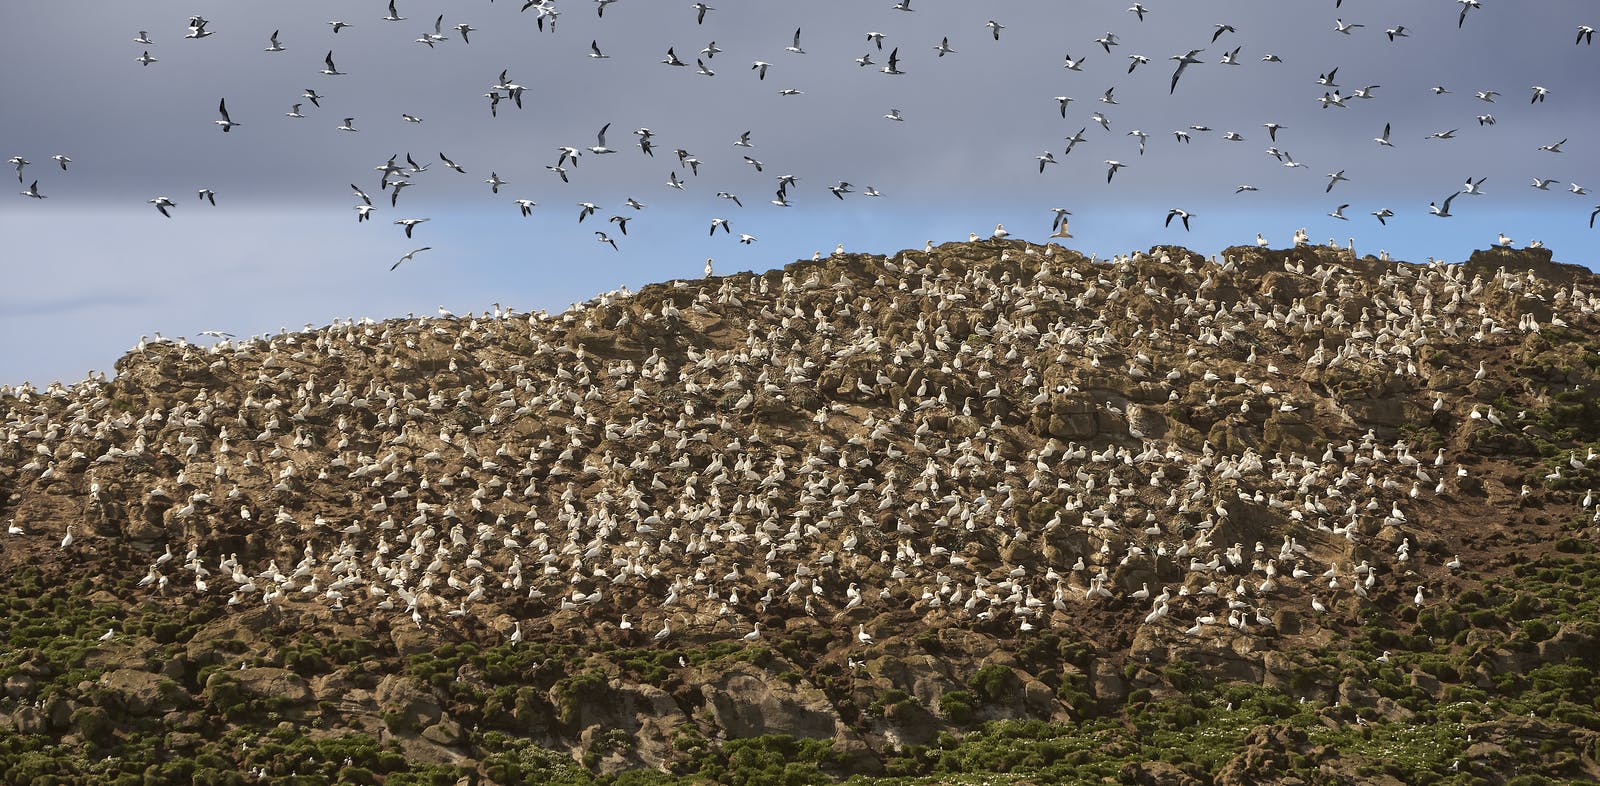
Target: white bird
x=331, y=69
x=1183, y=62
x=272, y=43
x=409, y=224
x=1442, y=212
x=600, y=142
x=226, y=122
x=410, y=254
x=862, y=635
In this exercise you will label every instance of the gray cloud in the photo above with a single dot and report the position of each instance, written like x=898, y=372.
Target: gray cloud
x=284, y=236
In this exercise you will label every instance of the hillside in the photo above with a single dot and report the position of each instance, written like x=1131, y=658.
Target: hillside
x=1285, y=516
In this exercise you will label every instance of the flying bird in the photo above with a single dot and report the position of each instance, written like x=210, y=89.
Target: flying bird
x=603, y=238
x=226, y=122
x=162, y=203
x=331, y=69
x=1382, y=214
x=410, y=254
x=272, y=43
x=208, y=195
x=1442, y=212
x=1338, y=212
x=893, y=68
x=410, y=224
x=1183, y=62
x=1114, y=166
x=1179, y=213
x=600, y=142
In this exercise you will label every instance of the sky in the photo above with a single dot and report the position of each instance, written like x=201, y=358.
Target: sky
x=93, y=266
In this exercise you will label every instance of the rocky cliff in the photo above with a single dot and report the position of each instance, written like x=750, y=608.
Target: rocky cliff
x=1277, y=516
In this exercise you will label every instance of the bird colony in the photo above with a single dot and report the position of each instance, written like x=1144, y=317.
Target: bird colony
x=544, y=172
x=995, y=436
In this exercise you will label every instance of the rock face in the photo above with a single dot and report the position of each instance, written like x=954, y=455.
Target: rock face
x=840, y=515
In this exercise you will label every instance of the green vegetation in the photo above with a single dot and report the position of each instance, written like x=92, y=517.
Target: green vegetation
x=1512, y=652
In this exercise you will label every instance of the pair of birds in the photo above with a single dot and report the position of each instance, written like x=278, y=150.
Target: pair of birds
x=163, y=203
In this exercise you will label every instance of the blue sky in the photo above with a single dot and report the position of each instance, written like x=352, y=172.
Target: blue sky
x=93, y=266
